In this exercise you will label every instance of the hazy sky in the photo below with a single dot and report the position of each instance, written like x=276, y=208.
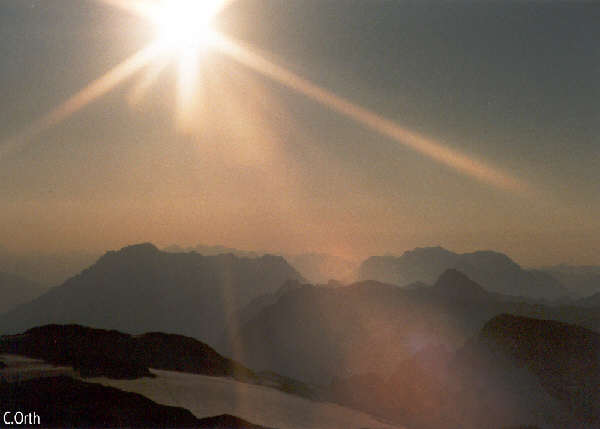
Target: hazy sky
x=514, y=84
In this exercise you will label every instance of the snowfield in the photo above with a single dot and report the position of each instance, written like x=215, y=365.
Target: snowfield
x=208, y=396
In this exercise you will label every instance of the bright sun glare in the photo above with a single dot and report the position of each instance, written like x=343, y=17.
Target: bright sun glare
x=184, y=32
x=186, y=24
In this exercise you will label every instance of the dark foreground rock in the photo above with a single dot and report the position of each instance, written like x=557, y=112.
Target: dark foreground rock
x=66, y=402
x=565, y=358
x=112, y=354
x=98, y=352
x=517, y=371
x=63, y=402
x=227, y=421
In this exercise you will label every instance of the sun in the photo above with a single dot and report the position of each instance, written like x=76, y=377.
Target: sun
x=184, y=34
x=184, y=25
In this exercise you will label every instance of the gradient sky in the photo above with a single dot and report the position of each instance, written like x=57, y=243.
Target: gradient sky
x=515, y=84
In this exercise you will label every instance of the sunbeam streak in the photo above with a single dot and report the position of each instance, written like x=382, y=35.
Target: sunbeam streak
x=182, y=38
x=150, y=77
x=434, y=150
x=85, y=96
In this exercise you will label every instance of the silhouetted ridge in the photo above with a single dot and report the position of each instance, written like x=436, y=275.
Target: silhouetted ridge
x=314, y=333
x=590, y=301
x=564, y=357
x=62, y=402
x=431, y=251
x=98, y=352
x=141, y=250
x=93, y=352
x=516, y=371
x=495, y=271
x=543, y=341
x=142, y=289
x=227, y=421
x=179, y=353
x=453, y=282
x=582, y=281
x=65, y=402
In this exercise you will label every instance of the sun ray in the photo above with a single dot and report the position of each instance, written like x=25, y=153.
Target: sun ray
x=184, y=31
x=434, y=150
x=85, y=96
x=182, y=38
x=150, y=77
x=187, y=91
x=143, y=8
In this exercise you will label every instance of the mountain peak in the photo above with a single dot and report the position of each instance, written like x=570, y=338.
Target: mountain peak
x=452, y=276
x=126, y=290
x=495, y=271
x=142, y=250
x=429, y=251
x=454, y=282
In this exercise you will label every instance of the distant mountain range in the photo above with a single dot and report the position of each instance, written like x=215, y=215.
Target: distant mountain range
x=314, y=333
x=314, y=267
x=214, y=251
x=321, y=268
x=16, y=290
x=140, y=289
x=453, y=354
x=248, y=312
x=496, y=271
x=581, y=281
x=517, y=371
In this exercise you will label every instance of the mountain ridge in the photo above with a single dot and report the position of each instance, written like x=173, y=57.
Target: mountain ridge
x=315, y=333
x=140, y=289
x=495, y=270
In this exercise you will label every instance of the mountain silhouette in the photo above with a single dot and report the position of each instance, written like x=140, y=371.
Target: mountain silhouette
x=62, y=402
x=454, y=284
x=141, y=289
x=565, y=358
x=249, y=311
x=590, y=301
x=322, y=267
x=315, y=333
x=496, y=271
x=314, y=267
x=516, y=372
x=214, y=251
x=99, y=352
x=581, y=281
x=65, y=402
